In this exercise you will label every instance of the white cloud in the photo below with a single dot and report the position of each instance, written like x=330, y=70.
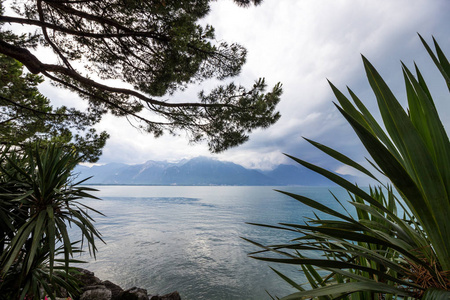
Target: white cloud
x=301, y=43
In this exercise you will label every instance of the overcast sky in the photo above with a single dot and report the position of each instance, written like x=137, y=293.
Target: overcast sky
x=301, y=43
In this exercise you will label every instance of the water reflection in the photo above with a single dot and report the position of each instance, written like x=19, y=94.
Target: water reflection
x=188, y=238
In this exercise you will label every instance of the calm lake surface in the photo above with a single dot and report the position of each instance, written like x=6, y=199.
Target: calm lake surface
x=187, y=239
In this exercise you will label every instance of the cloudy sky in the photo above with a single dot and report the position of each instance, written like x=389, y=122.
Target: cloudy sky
x=302, y=43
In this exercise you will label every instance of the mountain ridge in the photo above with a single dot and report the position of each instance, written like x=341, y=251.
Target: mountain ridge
x=199, y=171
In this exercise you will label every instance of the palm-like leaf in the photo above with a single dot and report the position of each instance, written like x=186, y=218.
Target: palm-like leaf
x=39, y=201
x=376, y=251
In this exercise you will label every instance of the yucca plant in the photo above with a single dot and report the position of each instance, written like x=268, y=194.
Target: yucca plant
x=39, y=281
x=38, y=201
x=378, y=253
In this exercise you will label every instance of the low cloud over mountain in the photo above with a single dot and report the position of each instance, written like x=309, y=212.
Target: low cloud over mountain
x=198, y=171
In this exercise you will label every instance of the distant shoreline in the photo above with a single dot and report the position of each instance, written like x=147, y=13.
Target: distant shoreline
x=200, y=172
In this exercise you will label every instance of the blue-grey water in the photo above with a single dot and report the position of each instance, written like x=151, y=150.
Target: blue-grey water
x=187, y=239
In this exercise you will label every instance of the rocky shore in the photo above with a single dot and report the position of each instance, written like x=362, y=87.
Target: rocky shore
x=95, y=289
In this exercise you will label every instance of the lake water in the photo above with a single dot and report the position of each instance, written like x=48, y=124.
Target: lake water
x=187, y=239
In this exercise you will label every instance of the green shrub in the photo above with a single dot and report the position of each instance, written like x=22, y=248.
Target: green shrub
x=375, y=253
x=38, y=201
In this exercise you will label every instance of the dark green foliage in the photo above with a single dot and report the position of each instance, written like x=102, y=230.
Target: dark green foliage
x=155, y=47
x=379, y=253
x=38, y=200
x=27, y=116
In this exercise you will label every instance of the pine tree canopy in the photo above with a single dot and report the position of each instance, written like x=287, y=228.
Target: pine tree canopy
x=155, y=48
x=26, y=116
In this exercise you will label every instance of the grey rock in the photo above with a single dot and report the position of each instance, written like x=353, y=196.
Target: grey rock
x=171, y=296
x=134, y=294
x=99, y=293
x=95, y=289
x=114, y=288
x=87, y=278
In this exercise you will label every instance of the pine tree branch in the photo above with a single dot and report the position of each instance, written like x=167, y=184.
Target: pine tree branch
x=102, y=20
x=47, y=38
x=127, y=33
x=35, y=66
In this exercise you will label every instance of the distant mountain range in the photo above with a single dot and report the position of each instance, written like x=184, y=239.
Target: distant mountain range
x=198, y=171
